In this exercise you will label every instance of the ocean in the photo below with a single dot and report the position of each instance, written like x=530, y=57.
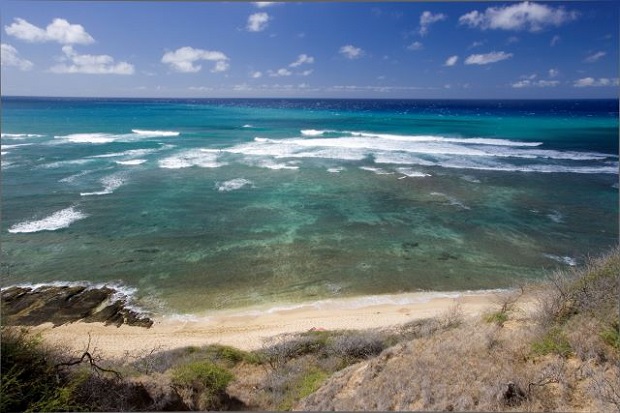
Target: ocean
x=195, y=205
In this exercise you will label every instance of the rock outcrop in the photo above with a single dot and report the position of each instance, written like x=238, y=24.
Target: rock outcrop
x=29, y=306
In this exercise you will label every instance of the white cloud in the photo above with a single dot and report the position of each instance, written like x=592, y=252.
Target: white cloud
x=553, y=73
x=258, y=22
x=302, y=59
x=91, y=64
x=601, y=82
x=60, y=30
x=183, y=60
x=280, y=73
x=351, y=52
x=535, y=83
x=415, y=46
x=594, y=57
x=475, y=44
x=555, y=40
x=485, y=59
x=306, y=72
x=256, y=75
x=427, y=18
x=263, y=4
x=10, y=57
x=522, y=16
x=451, y=61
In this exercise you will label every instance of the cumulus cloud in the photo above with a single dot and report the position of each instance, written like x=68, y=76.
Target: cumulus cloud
x=488, y=58
x=351, y=52
x=306, y=72
x=184, y=60
x=10, y=57
x=415, y=46
x=258, y=22
x=600, y=82
x=60, y=31
x=427, y=18
x=256, y=75
x=594, y=57
x=302, y=59
x=553, y=73
x=535, y=83
x=91, y=64
x=529, y=16
x=451, y=61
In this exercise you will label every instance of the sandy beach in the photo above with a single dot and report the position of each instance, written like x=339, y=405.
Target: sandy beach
x=249, y=328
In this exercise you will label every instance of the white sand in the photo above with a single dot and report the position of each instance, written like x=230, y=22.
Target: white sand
x=248, y=328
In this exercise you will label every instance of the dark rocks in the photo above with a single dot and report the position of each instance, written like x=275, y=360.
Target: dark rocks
x=59, y=305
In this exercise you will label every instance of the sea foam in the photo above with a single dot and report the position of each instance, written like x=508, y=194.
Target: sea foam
x=200, y=158
x=59, y=219
x=155, y=133
x=110, y=184
x=233, y=184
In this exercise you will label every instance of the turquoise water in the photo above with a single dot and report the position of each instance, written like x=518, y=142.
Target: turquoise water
x=227, y=203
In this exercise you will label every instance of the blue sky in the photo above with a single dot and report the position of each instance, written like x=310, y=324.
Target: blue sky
x=301, y=49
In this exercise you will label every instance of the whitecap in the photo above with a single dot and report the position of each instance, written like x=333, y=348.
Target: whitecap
x=200, y=158
x=247, y=126
x=411, y=173
x=20, y=136
x=72, y=178
x=233, y=184
x=110, y=184
x=155, y=133
x=131, y=162
x=97, y=138
x=377, y=171
x=130, y=152
x=562, y=259
x=15, y=146
x=556, y=217
x=335, y=170
x=59, y=219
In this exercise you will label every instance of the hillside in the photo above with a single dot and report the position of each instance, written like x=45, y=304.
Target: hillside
x=552, y=346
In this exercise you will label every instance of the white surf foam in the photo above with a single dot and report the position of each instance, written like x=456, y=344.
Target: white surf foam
x=233, y=184
x=377, y=171
x=335, y=170
x=193, y=157
x=131, y=162
x=562, y=259
x=59, y=219
x=110, y=184
x=72, y=178
x=15, y=145
x=155, y=133
x=96, y=138
x=20, y=135
x=130, y=152
x=411, y=173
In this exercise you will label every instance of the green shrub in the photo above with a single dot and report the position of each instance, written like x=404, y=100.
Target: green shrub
x=554, y=342
x=498, y=317
x=201, y=384
x=611, y=336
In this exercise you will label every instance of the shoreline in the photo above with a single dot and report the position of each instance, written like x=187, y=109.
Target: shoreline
x=248, y=328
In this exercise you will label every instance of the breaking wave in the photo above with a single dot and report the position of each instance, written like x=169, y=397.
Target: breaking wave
x=59, y=219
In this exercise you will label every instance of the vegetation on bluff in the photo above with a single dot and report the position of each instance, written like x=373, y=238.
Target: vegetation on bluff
x=552, y=346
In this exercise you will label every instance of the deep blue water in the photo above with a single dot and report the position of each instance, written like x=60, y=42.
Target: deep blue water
x=202, y=204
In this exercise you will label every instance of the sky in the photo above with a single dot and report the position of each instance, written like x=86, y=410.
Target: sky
x=411, y=50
